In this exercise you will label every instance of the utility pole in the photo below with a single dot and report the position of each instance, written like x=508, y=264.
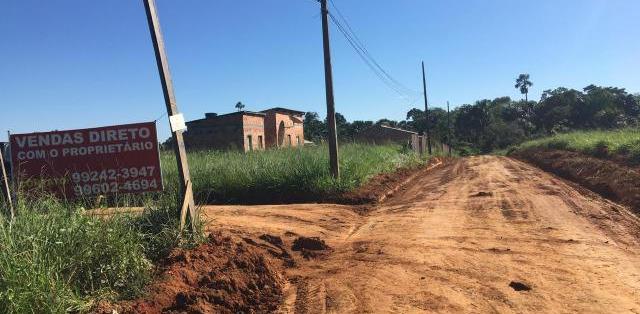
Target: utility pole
x=172, y=107
x=426, y=108
x=328, y=80
x=448, y=130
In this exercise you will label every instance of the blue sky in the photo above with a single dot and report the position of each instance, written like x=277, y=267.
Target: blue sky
x=74, y=63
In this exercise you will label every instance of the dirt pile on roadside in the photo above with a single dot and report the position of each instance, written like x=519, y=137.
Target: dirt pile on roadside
x=605, y=177
x=382, y=186
x=224, y=275
x=310, y=247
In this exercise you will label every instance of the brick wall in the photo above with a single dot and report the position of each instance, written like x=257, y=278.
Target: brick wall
x=235, y=131
x=290, y=131
x=378, y=134
x=221, y=133
x=282, y=127
x=253, y=126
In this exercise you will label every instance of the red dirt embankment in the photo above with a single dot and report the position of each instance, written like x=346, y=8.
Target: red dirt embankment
x=227, y=274
x=383, y=185
x=608, y=178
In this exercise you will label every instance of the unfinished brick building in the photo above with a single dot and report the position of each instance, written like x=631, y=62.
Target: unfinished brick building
x=384, y=134
x=247, y=131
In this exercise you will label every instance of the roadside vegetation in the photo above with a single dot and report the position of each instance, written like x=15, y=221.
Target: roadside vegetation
x=490, y=125
x=284, y=175
x=623, y=144
x=56, y=258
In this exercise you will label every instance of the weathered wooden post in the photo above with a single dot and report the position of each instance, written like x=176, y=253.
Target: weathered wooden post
x=6, y=189
x=172, y=110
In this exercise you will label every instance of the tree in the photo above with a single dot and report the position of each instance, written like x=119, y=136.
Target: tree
x=523, y=83
x=358, y=126
x=387, y=122
x=314, y=129
x=239, y=106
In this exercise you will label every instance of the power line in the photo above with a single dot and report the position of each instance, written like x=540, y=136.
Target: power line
x=354, y=41
x=368, y=62
x=383, y=75
x=364, y=49
x=360, y=53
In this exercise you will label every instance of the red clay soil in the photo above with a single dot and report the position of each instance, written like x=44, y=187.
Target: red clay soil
x=227, y=274
x=382, y=185
x=608, y=178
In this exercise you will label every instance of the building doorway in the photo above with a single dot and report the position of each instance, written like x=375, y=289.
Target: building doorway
x=281, y=129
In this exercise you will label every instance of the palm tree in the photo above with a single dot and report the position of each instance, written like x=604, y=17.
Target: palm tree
x=239, y=106
x=523, y=83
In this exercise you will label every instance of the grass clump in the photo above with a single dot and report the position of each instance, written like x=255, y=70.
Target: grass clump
x=285, y=174
x=55, y=258
x=624, y=143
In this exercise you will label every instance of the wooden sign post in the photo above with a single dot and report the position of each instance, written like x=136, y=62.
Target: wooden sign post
x=172, y=107
x=6, y=190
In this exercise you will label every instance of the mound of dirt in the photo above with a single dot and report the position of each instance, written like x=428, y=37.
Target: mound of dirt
x=309, y=247
x=382, y=186
x=224, y=275
x=605, y=177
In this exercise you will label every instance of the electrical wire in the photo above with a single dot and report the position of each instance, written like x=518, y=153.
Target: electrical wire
x=364, y=49
x=344, y=27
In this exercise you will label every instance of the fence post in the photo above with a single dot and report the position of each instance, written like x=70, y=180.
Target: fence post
x=6, y=190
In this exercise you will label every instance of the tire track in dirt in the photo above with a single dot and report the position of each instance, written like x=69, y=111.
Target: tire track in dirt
x=461, y=238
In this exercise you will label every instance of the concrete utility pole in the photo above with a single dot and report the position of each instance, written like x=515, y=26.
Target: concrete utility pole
x=328, y=80
x=426, y=108
x=170, y=101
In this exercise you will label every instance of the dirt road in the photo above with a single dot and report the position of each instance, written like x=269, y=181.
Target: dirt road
x=469, y=236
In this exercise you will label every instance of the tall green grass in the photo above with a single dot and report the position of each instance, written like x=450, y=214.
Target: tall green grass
x=624, y=143
x=285, y=174
x=55, y=258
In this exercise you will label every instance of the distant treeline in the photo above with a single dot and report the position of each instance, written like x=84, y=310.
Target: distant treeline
x=488, y=125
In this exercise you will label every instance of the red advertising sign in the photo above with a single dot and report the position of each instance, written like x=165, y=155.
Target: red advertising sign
x=76, y=163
